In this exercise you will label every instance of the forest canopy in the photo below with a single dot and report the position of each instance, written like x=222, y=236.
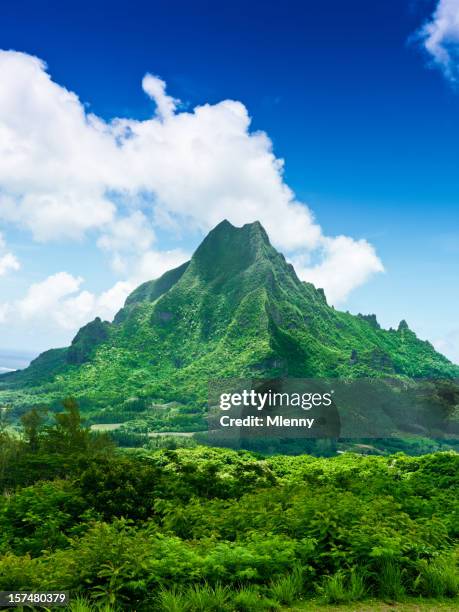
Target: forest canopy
x=136, y=529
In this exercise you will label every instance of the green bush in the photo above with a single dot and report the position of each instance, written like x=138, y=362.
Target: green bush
x=438, y=578
x=390, y=581
x=286, y=590
x=205, y=598
x=210, y=527
x=250, y=599
x=42, y=517
x=343, y=587
x=170, y=601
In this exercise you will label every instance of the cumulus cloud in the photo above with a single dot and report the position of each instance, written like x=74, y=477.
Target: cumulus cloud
x=43, y=296
x=126, y=239
x=154, y=263
x=440, y=37
x=156, y=89
x=8, y=261
x=60, y=296
x=345, y=264
x=449, y=345
x=66, y=173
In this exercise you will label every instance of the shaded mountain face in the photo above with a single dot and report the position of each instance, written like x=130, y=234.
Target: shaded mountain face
x=236, y=309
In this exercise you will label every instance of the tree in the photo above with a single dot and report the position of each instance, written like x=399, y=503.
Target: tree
x=32, y=422
x=68, y=435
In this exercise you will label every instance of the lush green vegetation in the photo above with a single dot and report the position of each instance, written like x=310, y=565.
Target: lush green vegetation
x=216, y=529
x=237, y=309
x=168, y=523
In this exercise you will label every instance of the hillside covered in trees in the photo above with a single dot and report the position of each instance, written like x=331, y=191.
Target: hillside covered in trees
x=212, y=529
x=236, y=309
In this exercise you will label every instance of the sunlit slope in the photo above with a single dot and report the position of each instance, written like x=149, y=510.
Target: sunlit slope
x=236, y=309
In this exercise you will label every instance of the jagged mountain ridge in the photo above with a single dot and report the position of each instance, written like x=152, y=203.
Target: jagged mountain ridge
x=237, y=308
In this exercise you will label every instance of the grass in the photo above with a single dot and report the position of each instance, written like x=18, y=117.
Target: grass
x=170, y=601
x=391, y=582
x=199, y=598
x=343, y=588
x=249, y=600
x=438, y=578
x=287, y=589
x=374, y=605
x=206, y=599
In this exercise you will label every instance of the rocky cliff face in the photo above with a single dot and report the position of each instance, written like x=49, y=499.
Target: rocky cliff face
x=86, y=341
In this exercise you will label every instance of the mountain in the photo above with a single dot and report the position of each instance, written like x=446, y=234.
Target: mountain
x=237, y=308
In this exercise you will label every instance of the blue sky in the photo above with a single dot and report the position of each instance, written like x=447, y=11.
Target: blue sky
x=364, y=113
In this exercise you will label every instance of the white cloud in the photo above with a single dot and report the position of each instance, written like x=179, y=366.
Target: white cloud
x=156, y=89
x=8, y=261
x=440, y=37
x=154, y=263
x=449, y=345
x=60, y=296
x=345, y=264
x=56, y=160
x=131, y=233
x=107, y=304
x=65, y=173
x=42, y=297
x=125, y=239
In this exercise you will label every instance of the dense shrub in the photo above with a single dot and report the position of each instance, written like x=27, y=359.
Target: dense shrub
x=204, y=528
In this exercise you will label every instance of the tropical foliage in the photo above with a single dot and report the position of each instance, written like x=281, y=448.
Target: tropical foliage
x=216, y=529
x=237, y=309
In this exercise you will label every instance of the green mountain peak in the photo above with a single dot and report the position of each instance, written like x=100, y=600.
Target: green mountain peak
x=229, y=250
x=236, y=309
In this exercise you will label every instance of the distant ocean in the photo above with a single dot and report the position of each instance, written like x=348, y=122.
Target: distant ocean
x=11, y=359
